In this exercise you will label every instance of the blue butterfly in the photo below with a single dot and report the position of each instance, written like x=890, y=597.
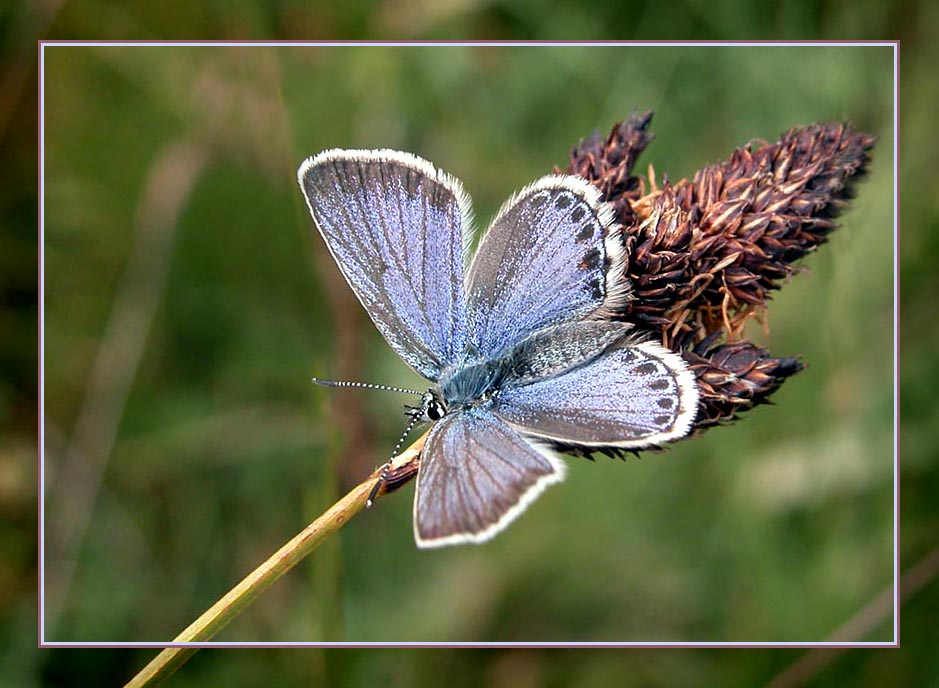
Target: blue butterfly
x=516, y=339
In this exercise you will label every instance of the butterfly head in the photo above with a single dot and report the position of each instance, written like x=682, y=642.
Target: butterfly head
x=432, y=407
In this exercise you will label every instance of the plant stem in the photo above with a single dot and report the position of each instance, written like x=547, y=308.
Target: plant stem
x=220, y=614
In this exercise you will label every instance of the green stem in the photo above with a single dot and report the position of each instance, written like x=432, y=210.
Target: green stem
x=220, y=614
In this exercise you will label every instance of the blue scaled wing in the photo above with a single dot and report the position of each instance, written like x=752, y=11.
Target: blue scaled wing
x=476, y=475
x=395, y=225
x=545, y=259
x=633, y=395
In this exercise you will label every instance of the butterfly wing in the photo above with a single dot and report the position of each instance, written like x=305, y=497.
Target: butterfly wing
x=476, y=475
x=544, y=260
x=631, y=395
x=395, y=225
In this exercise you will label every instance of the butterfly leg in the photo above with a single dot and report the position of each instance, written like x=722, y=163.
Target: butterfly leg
x=379, y=484
x=415, y=413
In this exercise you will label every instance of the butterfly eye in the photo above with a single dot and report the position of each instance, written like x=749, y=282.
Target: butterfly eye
x=435, y=410
x=432, y=406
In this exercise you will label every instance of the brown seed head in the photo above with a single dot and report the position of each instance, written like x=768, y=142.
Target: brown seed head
x=704, y=254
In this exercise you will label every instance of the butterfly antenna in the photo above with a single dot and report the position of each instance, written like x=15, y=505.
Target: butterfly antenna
x=416, y=414
x=365, y=385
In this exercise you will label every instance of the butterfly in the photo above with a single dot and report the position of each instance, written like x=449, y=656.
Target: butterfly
x=515, y=338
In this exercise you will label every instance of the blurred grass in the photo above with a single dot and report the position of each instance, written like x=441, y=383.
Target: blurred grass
x=776, y=528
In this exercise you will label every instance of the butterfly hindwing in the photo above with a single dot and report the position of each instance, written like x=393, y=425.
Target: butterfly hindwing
x=395, y=226
x=631, y=395
x=477, y=474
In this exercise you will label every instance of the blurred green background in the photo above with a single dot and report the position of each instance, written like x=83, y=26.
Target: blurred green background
x=188, y=302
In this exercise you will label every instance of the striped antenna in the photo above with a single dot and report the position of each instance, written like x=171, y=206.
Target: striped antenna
x=365, y=385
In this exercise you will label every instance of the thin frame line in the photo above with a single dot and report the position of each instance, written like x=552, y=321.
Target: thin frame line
x=43, y=44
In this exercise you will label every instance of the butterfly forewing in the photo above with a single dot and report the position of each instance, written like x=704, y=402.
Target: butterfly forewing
x=476, y=475
x=544, y=260
x=395, y=226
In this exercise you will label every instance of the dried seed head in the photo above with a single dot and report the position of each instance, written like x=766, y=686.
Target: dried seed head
x=735, y=377
x=607, y=163
x=704, y=254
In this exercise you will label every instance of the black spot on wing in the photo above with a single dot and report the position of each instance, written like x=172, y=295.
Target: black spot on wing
x=662, y=420
x=538, y=199
x=666, y=402
x=586, y=232
x=591, y=260
x=646, y=368
x=658, y=384
x=563, y=200
x=578, y=214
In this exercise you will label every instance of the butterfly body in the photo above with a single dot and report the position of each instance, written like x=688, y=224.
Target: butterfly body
x=517, y=339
